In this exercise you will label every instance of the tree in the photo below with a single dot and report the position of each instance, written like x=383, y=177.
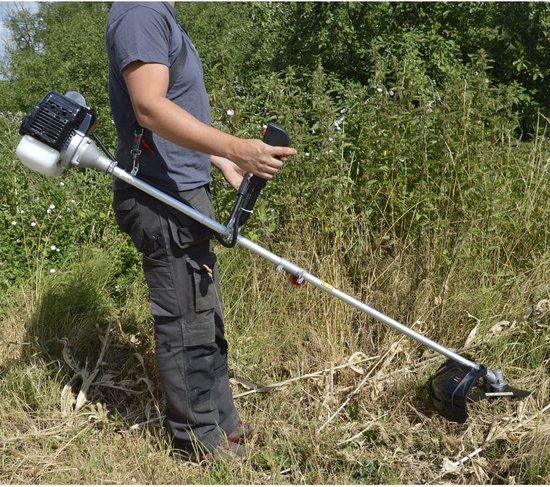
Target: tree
x=62, y=45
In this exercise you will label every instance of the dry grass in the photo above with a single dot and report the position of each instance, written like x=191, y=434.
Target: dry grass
x=348, y=403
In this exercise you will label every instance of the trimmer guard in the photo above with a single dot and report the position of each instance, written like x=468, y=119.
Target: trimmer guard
x=450, y=386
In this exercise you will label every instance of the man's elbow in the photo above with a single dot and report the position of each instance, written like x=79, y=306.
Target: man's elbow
x=146, y=114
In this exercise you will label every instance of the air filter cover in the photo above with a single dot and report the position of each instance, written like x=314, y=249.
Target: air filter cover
x=55, y=120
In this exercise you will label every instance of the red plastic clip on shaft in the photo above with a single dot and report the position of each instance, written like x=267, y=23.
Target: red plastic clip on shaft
x=296, y=282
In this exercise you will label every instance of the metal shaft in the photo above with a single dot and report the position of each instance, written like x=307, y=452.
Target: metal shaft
x=283, y=264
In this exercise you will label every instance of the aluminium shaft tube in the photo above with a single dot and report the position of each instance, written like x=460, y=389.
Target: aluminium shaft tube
x=283, y=264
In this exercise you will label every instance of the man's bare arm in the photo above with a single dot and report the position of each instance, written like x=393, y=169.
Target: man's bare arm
x=148, y=83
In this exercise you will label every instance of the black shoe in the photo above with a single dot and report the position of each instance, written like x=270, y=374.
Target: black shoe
x=227, y=452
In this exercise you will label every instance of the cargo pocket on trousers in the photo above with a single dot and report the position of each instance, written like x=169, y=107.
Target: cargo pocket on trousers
x=128, y=220
x=185, y=231
x=162, y=293
x=201, y=329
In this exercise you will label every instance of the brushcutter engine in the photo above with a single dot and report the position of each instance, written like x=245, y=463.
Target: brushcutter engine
x=53, y=131
x=56, y=119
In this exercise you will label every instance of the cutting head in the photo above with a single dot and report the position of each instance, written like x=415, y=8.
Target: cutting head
x=454, y=384
x=450, y=387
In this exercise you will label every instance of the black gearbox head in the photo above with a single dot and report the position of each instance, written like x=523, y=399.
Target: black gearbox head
x=450, y=386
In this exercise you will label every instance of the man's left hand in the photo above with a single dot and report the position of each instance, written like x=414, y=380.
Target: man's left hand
x=232, y=173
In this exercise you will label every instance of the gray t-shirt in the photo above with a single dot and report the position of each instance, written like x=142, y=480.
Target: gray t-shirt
x=149, y=32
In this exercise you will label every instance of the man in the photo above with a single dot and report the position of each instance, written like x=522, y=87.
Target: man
x=162, y=114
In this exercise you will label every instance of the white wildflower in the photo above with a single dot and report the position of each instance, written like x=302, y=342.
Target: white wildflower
x=52, y=271
x=430, y=104
x=230, y=112
x=33, y=224
x=14, y=222
x=53, y=247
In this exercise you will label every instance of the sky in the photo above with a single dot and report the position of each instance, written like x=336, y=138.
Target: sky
x=4, y=34
x=5, y=7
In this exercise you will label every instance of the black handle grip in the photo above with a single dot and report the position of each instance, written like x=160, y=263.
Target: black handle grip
x=251, y=187
x=276, y=136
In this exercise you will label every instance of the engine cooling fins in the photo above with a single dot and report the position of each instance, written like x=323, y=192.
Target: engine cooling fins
x=453, y=385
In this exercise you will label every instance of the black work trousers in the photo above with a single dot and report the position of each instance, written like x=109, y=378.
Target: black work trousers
x=191, y=350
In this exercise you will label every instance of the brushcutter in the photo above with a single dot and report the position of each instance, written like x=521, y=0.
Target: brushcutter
x=58, y=134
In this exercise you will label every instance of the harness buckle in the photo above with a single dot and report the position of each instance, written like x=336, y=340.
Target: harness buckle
x=136, y=150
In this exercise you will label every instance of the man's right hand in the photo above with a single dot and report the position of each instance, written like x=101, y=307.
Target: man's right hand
x=259, y=158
